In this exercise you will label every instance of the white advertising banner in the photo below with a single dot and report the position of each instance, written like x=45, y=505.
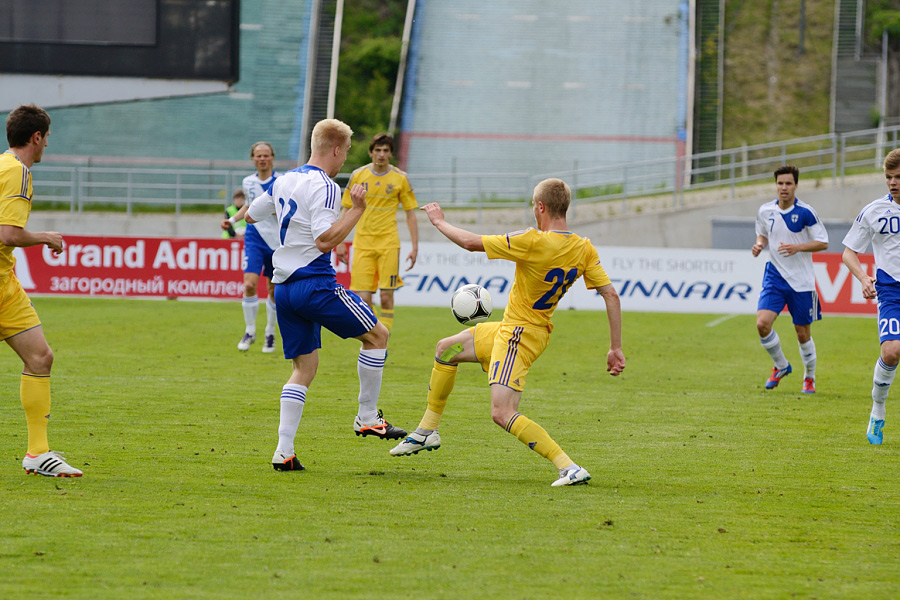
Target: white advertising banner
x=647, y=279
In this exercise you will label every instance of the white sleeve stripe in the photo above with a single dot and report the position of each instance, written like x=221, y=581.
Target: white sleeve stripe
x=864, y=210
x=330, y=185
x=329, y=202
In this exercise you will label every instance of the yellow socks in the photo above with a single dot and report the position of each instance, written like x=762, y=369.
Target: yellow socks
x=387, y=317
x=34, y=391
x=443, y=376
x=535, y=437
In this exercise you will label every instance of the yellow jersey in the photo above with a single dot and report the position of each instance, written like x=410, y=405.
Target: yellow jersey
x=15, y=202
x=547, y=264
x=377, y=229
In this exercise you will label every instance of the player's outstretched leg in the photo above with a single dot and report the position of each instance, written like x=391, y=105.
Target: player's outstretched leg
x=426, y=437
x=536, y=438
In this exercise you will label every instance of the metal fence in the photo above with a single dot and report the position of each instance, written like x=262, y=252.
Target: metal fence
x=78, y=187
x=83, y=188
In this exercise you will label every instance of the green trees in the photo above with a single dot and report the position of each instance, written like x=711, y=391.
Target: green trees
x=881, y=16
x=370, y=57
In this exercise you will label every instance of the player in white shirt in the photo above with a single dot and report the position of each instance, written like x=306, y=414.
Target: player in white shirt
x=307, y=205
x=792, y=230
x=260, y=241
x=879, y=224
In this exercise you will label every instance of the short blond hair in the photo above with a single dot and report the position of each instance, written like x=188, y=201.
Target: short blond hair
x=892, y=160
x=329, y=133
x=555, y=195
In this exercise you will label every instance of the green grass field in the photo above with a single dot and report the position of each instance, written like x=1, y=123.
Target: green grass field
x=704, y=485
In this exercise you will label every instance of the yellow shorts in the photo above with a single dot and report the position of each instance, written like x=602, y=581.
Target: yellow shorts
x=506, y=352
x=375, y=269
x=16, y=311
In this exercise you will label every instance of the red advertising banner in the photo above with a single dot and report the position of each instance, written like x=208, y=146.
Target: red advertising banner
x=212, y=268
x=146, y=266
x=839, y=291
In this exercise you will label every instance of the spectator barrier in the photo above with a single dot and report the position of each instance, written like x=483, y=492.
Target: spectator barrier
x=647, y=279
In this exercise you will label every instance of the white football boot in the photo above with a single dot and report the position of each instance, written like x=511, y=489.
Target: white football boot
x=572, y=476
x=50, y=464
x=416, y=442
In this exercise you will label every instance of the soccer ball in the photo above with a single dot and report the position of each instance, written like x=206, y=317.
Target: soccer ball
x=471, y=304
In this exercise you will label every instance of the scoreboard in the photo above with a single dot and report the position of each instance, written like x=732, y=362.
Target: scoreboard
x=170, y=39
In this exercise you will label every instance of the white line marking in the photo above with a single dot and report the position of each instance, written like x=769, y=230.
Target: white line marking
x=720, y=320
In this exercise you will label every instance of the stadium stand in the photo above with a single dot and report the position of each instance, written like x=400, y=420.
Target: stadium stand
x=541, y=87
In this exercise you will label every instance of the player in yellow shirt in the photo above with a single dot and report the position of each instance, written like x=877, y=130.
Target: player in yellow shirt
x=376, y=243
x=27, y=129
x=548, y=261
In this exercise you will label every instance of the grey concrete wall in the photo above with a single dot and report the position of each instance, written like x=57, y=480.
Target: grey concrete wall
x=717, y=222
x=739, y=233
x=693, y=227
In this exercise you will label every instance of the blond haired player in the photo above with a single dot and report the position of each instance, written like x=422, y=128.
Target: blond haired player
x=548, y=260
x=376, y=243
x=27, y=129
x=305, y=203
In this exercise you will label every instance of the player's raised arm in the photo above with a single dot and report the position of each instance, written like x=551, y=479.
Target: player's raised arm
x=341, y=228
x=615, y=358
x=462, y=238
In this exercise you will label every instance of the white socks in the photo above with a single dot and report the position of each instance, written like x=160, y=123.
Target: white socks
x=370, y=368
x=772, y=344
x=293, y=397
x=271, y=317
x=881, y=385
x=808, y=355
x=250, y=304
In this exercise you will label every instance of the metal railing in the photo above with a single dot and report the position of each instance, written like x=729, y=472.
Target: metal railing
x=83, y=187
x=80, y=187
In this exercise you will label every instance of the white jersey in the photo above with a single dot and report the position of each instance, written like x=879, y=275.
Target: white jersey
x=306, y=202
x=796, y=225
x=879, y=224
x=254, y=187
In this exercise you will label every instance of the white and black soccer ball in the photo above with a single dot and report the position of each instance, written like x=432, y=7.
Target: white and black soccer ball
x=471, y=304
